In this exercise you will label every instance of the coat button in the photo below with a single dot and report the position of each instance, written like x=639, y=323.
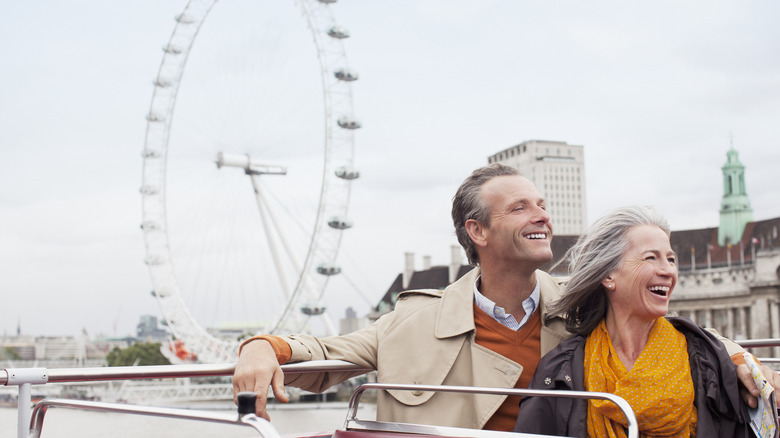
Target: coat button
x=547, y=380
x=416, y=392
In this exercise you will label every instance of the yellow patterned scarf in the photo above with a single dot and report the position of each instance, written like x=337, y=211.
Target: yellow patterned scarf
x=659, y=386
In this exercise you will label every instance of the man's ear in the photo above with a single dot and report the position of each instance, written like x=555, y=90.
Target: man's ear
x=477, y=232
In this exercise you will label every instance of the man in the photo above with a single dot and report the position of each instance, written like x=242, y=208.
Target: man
x=486, y=329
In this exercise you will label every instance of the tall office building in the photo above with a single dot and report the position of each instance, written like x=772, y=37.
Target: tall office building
x=558, y=171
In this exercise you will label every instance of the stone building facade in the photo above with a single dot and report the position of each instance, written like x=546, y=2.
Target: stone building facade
x=734, y=289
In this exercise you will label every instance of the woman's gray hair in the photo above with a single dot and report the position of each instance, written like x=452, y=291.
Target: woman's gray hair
x=468, y=204
x=597, y=253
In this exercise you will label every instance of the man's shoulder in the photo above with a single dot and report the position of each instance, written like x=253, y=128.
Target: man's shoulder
x=465, y=284
x=550, y=286
x=557, y=280
x=420, y=294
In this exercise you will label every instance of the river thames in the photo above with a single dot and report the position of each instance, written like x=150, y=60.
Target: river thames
x=290, y=419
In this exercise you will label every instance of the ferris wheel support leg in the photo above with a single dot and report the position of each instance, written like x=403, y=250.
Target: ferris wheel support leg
x=261, y=202
x=271, y=239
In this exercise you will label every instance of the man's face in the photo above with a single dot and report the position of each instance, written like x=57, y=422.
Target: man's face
x=520, y=229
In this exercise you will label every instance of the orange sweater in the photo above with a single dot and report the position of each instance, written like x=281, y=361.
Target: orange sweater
x=522, y=346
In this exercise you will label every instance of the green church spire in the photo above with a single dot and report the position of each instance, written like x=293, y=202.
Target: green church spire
x=735, y=211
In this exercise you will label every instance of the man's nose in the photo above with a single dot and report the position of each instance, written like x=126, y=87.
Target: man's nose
x=542, y=216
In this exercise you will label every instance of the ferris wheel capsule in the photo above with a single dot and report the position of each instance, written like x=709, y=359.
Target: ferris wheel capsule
x=346, y=74
x=313, y=309
x=328, y=269
x=348, y=122
x=347, y=172
x=339, y=32
x=173, y=50
x=340, y=223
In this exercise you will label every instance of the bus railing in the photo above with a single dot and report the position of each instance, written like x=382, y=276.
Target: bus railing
x=24, y=378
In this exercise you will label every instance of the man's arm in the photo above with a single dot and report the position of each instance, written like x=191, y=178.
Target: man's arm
x=748, y=386
x=259, y=361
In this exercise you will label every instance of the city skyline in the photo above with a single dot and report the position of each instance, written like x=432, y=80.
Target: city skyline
x=654, y=93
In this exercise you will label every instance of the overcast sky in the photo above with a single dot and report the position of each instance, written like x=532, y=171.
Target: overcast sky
x=654, y=91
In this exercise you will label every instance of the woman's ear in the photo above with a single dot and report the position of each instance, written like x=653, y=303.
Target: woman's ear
x=476, y=232
x=608, y=283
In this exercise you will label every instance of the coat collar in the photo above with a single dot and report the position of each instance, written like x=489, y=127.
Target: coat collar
x=455, y=315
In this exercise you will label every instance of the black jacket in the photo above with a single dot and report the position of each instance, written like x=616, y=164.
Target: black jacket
x=721, y=411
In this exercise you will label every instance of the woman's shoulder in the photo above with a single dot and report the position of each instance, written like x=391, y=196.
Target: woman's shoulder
x=560, y=362
x=702, y=342
x=689, y=328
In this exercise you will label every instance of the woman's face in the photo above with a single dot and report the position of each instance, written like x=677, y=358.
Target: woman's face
x=641, y=287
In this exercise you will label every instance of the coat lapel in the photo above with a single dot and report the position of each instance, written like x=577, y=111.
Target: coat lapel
x=455, y=315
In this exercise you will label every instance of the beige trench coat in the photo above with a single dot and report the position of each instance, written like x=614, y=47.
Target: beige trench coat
x=428, y=339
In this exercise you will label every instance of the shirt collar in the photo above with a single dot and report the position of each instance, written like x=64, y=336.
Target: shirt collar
x=498, y=313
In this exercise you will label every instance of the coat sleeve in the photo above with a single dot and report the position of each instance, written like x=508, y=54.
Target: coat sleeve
x=359, y=347
x=731, y=347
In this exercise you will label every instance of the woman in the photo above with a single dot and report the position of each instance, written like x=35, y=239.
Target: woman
x=677, y=377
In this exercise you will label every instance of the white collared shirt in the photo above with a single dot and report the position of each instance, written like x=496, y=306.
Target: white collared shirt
x=497, y=312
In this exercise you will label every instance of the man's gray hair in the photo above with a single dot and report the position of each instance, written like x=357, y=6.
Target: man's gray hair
x=597, y=253
x=468, y=204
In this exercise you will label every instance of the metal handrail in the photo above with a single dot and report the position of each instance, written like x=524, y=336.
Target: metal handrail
x=261, y=425
x=759, y=343
x=25, y=377
x=352, y=423
x=57, y=375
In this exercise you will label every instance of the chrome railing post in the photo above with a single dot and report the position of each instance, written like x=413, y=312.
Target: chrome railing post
x=23, y=403
x=24, y=378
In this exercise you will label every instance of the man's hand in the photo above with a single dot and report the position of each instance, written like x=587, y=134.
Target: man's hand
x=748, y=386
x=257, y=368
